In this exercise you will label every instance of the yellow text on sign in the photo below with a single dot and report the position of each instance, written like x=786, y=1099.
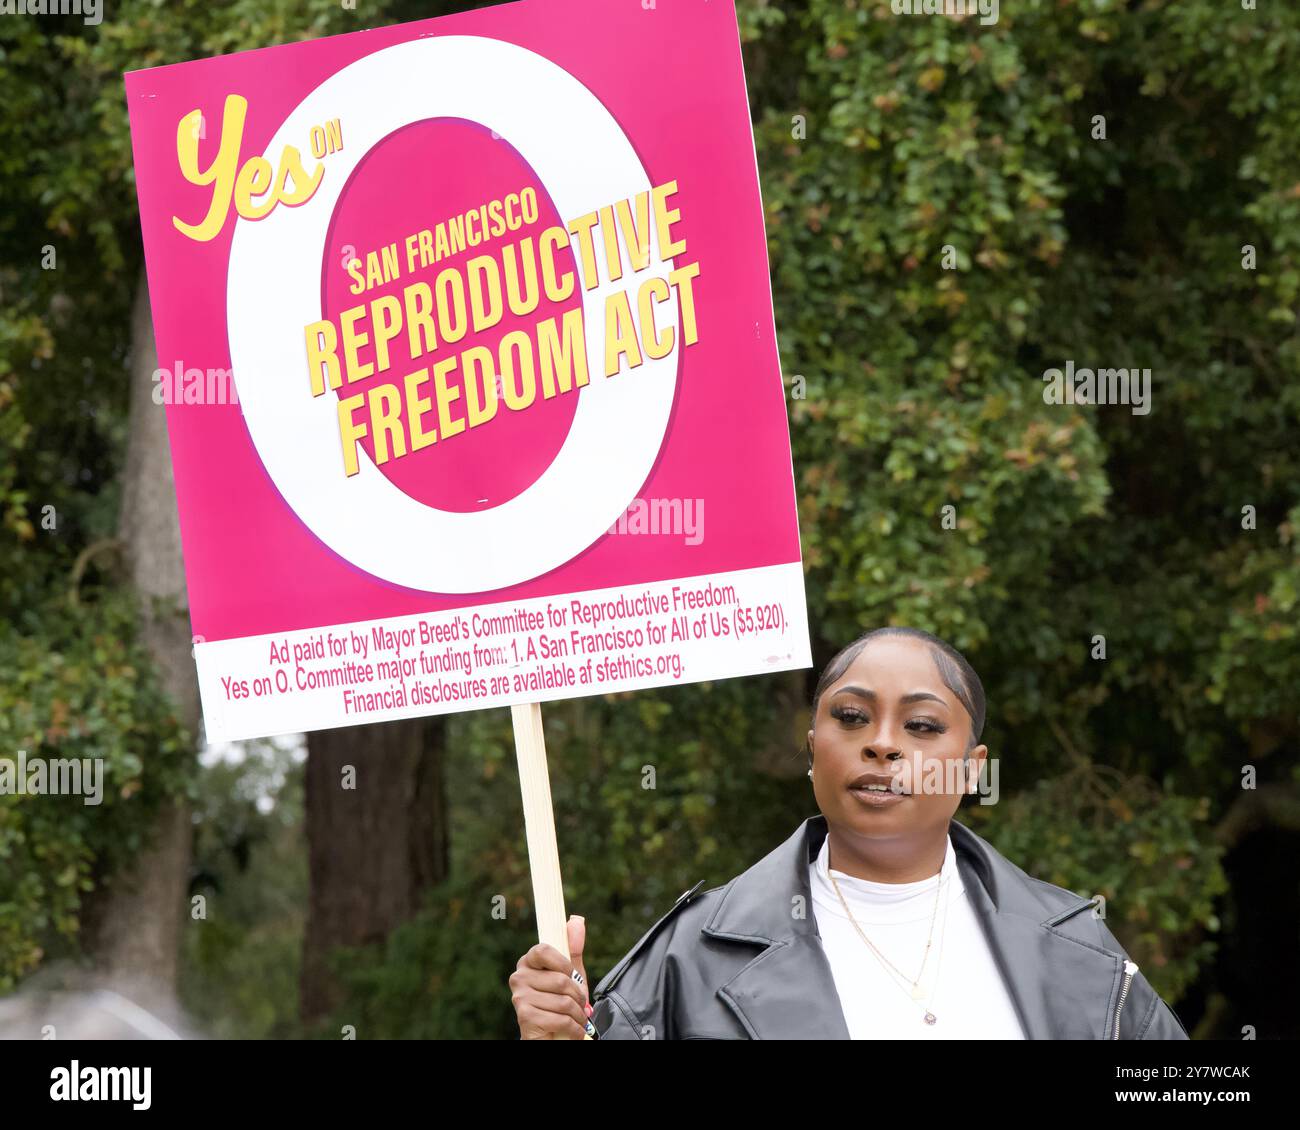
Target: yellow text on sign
x=231, y=182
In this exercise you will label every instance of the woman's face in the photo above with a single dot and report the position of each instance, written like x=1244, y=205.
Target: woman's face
x=890, y=718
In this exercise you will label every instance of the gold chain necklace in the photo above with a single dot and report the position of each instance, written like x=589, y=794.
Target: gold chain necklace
x=915, y=992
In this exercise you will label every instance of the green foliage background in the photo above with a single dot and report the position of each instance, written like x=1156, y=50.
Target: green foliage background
x=882, y=140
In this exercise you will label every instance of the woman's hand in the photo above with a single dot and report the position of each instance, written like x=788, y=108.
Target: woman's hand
x=549, y=1003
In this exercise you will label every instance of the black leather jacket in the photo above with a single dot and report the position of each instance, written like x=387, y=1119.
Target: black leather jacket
x=733, y=963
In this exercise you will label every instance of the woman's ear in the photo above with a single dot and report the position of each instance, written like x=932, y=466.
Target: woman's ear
x=810, y=748
x=974, y=761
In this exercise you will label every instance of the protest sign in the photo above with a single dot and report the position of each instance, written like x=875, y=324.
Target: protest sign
x=467, y=353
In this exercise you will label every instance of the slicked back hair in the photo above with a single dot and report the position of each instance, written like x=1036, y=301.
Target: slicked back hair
x=957, y=674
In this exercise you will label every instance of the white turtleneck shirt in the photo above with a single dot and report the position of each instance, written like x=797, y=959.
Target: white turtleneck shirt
x=960, y=984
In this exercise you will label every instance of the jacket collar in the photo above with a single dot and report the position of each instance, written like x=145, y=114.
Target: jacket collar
x=1061, y=987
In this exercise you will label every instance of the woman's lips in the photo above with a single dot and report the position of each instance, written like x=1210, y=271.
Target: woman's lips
x=876, y=798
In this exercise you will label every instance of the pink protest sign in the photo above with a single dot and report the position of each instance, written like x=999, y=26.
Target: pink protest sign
x=466, y=344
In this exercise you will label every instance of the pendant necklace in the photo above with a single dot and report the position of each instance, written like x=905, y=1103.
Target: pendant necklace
x=915, y=992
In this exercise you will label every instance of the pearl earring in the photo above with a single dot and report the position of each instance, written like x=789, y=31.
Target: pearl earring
x=810, y=774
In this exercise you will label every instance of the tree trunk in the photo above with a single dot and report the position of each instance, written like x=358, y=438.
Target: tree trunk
x=133, y=922
x=376, y=840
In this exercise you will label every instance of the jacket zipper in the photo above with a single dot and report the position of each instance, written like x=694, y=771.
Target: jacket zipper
x=1130, y=967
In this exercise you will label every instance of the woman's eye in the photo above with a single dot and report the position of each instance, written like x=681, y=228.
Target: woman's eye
x=927, y=726
x=848, y=714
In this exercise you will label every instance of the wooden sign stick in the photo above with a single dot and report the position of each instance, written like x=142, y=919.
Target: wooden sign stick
x=539, y=826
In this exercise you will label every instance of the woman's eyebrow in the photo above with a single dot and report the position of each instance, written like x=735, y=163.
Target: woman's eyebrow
x=921, y=696
x=860, y=692
x=906, y=700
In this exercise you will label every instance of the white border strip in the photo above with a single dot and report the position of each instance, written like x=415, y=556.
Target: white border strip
x=769, y=595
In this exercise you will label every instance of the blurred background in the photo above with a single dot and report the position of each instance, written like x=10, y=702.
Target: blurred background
x=952, y=209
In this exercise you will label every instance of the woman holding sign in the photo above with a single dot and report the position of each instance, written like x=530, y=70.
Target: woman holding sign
x=881, y=918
